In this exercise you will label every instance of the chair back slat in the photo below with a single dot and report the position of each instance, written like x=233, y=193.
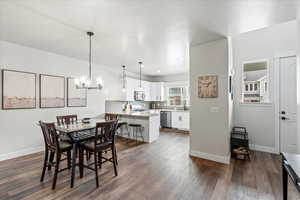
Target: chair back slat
x=110, y=117
x=105, y=132
x=50, y=135
x=66, y=119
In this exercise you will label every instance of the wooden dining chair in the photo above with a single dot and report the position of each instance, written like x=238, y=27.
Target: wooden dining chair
x=54, y=146
x=109, y=117
x=66, y=119
x=104, y=141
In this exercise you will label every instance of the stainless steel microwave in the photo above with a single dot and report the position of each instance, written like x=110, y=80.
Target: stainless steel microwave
x=139, y=95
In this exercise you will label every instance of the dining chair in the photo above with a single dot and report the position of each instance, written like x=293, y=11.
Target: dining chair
x=54, y=146
x=109, y=117
x=104, y=141
x=66, y=119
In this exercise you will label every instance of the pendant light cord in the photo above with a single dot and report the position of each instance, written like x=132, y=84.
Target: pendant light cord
x=90, y=57
x=140, y=74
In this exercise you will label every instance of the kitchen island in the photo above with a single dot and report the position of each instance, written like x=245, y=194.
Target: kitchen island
x=150, y=120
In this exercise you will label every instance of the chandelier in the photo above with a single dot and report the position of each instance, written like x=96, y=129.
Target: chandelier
x=88, y=83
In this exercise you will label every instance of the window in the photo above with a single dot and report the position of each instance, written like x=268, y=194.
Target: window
x=178, y=96
x=255, y=82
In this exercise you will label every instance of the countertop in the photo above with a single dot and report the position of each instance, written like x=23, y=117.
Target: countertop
x=171, y=110
x=137, y=113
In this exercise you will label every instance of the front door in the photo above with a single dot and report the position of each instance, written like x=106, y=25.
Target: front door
x=288, y=104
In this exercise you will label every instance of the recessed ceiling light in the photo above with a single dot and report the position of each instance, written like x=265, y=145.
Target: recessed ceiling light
x=158, y=71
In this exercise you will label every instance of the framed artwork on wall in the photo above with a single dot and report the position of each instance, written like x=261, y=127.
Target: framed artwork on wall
x=52, y=91
x=18, y=90
x=75, y=97
x=208, y=86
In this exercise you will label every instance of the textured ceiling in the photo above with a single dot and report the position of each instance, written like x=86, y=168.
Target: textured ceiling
x=157, y=32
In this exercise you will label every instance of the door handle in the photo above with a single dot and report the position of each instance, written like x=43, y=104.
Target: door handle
x=284, y=118
x=283, y=112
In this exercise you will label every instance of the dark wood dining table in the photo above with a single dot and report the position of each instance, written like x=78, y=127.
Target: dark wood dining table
x=78, y=132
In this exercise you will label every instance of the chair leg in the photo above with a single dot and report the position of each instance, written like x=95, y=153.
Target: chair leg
x=116, y=154
x=56, y=170
x=45, y=165
x=114, y=160
x=100, y=159
x=88, y=155
x=52, y=154
x=81, y=160
x=96, y=168
x=69, y=159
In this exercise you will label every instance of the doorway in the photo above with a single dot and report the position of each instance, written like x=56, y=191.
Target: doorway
x=287, y=105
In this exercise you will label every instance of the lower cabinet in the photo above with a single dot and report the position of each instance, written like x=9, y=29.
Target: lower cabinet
x=181, y=120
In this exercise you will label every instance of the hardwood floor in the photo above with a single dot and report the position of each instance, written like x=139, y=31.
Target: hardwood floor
x=161, y=170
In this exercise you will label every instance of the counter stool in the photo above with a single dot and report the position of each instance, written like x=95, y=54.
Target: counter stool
x=137, y=129
x=120, y=128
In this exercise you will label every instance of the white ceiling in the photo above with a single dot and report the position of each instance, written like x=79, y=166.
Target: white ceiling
x=157, y=32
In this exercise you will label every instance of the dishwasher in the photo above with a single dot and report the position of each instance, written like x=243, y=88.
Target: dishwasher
x=166, y=119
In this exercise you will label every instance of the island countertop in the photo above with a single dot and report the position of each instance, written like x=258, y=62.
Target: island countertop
x=136, y=113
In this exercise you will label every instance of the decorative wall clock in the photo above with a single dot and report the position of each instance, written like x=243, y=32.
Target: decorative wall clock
x=208, y=86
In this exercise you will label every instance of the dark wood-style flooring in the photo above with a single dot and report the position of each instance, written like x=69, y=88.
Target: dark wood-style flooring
x=161, y=170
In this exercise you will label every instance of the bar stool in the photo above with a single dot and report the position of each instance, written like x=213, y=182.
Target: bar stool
x=137, y=129
x=120, y=128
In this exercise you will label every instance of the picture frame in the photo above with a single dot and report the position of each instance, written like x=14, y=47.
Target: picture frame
x=18, y=89
x=75, y=97
x=208, y=86
x=52, y=91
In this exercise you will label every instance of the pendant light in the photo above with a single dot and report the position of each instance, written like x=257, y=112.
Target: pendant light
x=141, y=65
x=87, y=83
x=124, y=79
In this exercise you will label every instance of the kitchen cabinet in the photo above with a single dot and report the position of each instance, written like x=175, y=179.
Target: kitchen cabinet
x=181, y=120
x=146, y=85
x=154, y=91
x=131, y=85
x=157, y=91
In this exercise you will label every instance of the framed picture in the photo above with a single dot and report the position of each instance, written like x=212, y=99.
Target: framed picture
x=18, y=90
x=52, y=91
x=75, y=97
x=208, y=86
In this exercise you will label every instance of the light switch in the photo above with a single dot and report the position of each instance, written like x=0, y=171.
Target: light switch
x=214, y=109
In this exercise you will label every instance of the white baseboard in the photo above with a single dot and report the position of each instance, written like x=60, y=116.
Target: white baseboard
x=22, y=152
x=213, y=157
x=256, y=147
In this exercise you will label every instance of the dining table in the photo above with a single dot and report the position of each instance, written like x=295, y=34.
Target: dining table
x=78, y=132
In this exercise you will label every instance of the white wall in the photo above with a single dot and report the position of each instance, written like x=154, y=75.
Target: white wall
x=19, y=132
x=256, y=45
x=209, y=118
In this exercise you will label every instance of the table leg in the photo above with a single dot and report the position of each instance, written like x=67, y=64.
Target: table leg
x=284, y=183
x=74, y=156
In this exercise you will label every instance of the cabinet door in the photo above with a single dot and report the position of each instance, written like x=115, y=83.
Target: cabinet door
x=161, y=91
x=146, y=88
x=153, y=94
x=131, y=85
x=181, y=120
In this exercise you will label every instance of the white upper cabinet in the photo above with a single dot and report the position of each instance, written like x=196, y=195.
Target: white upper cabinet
x=146, y=85
x=157, y=91
x=154, y=91
x=131, y=85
